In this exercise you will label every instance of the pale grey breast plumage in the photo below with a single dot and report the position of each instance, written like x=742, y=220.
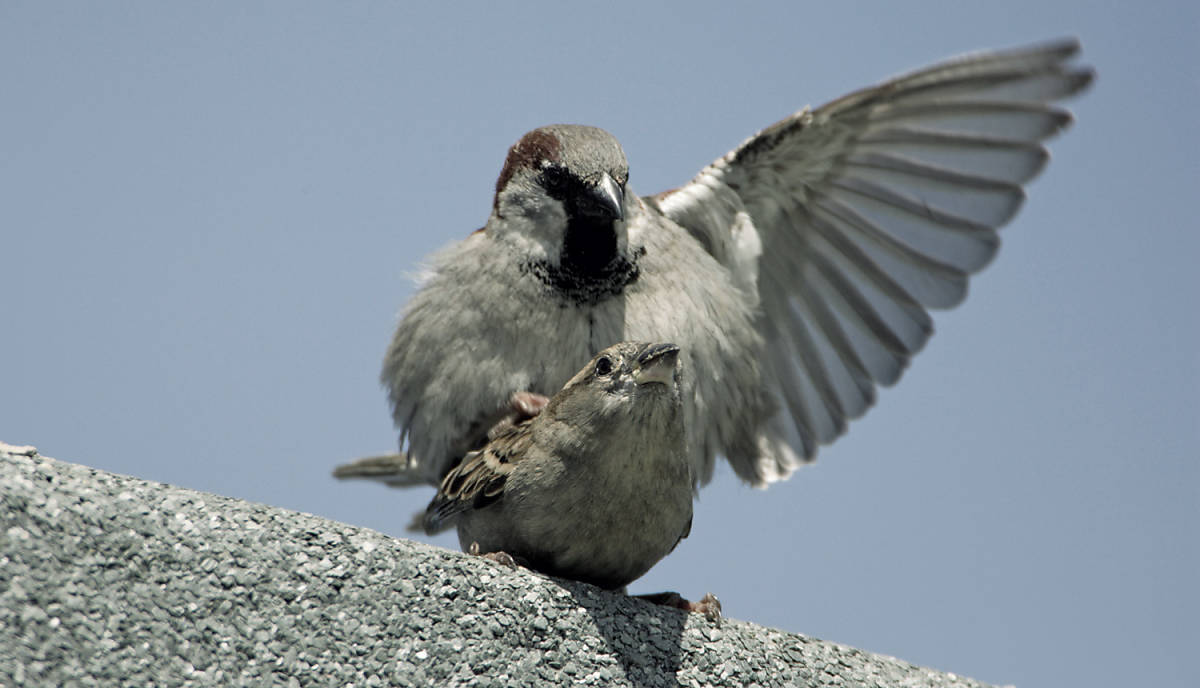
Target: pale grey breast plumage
x=856, y=217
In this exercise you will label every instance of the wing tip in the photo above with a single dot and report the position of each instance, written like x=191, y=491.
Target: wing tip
x=1065, y=47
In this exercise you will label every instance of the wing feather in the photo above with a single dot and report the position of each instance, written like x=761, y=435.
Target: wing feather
x=868, y=212
x=479, y=479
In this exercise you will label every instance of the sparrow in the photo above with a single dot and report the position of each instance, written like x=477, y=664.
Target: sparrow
x=796, y=272
x=597, y=487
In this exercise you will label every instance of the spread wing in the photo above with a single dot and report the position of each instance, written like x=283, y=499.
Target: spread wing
x=479, y=479
x=858, y=217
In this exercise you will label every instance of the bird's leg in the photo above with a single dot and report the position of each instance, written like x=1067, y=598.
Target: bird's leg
x=528, y=404
x=502, y=558
x=521, y=407
x=708, y=605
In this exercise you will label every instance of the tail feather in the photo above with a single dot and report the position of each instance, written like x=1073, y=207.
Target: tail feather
x=396, y=470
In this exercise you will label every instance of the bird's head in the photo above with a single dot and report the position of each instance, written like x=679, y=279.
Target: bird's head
x=630, y=381
x=563, y=196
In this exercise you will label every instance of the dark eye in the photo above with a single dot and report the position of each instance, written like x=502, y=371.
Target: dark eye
x=604, y=366
x=554, y=177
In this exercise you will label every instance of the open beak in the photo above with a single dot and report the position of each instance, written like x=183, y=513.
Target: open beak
x=656, y=364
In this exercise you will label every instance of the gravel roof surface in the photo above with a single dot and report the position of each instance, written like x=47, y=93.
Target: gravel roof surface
x=111, y=580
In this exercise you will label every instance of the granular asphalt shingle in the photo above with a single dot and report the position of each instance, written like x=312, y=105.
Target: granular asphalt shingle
x=111, y=580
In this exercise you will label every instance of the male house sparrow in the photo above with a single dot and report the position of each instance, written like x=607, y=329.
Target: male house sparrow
x=795, y=272
x=597, y=487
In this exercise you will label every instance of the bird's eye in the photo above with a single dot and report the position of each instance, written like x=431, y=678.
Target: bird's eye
x=604, y=366
x=554, y=176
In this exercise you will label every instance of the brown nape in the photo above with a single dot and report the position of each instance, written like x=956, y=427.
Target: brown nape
x=530, y=151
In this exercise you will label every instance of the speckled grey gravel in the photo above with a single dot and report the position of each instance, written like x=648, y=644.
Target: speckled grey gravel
x=110, y=580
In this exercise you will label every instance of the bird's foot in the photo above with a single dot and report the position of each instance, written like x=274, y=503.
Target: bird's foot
x=521, y=407
x=527, y=404
x=708, y=605
x=502, y=558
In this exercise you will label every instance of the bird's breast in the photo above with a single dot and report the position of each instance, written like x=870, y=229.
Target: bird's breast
x=603, y=520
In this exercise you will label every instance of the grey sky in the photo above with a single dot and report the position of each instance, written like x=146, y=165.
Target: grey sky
x=211, y=214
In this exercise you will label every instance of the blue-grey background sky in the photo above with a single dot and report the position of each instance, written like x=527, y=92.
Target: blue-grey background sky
x=210, y=214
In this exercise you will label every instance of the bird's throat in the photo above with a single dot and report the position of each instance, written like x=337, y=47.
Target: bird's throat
x=590, y=267
x=589, y=246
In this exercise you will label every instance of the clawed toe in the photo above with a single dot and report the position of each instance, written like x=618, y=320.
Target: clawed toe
x=527, y=404
x=521, y=407
x=502, y=558
x=708, y=605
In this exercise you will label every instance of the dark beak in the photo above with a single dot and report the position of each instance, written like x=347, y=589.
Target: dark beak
x=656, y=363
x=605, y=198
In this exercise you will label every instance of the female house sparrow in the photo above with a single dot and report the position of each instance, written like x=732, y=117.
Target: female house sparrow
x=795, y=272
x=597, y=487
